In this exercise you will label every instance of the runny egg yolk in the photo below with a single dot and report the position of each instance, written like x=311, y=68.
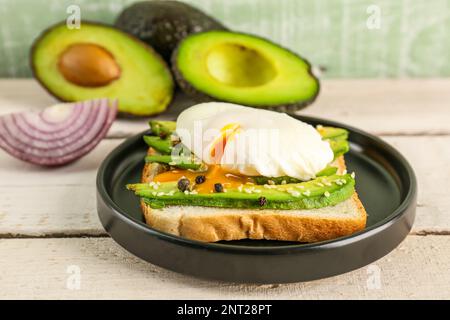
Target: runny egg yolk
x=218, y=145
x=214, y=174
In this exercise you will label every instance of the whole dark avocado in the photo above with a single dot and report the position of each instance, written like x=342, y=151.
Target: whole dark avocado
x=163, y=24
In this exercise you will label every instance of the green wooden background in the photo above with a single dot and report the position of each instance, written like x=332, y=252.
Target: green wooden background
x=413, y=39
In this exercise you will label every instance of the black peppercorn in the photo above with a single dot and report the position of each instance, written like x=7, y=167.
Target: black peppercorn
x=200, y=179
x=218, y=187
x=262, y=201
x=183, y=184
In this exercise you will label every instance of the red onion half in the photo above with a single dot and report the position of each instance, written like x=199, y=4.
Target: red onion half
x=59, y=134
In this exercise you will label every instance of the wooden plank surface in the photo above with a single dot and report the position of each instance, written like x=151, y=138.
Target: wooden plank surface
x=390, y=107
x=41, y=268
x=62, y=200
x=55, y=208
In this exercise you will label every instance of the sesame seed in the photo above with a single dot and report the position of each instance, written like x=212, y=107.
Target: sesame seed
x=240, y=188
x=344, y=172
x=319, y=184
x=154, y=193
x=301, y=187
x=257, y=191
x=155, y=186
x=319, y=126
x=295, y=193
x=307, y=193
x=159, y=194
x=172, y=163
x=194, y=192
x=327, y=183
x=247, y=190
x=326, y=194
x=266, y=186
x=271, y=182
x=186, y=191
x=283, y=182
x=353, y=175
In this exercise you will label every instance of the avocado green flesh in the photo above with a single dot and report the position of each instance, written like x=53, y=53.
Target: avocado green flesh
x=162, y=128
x=339, y=147
x=328, y=171
x=333, y=133
x=161, y=145
x=244, y=69
x=321, y=192
x=145, y=85
x=179, y=162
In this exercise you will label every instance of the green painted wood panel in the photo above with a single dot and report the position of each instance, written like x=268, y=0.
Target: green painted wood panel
x=413, y=38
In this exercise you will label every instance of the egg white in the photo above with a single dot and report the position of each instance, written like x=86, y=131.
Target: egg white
x=268, y=143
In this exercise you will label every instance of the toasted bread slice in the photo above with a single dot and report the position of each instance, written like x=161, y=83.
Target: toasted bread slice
x=210, y=224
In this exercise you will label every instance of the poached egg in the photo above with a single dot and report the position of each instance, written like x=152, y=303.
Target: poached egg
x=253, y=142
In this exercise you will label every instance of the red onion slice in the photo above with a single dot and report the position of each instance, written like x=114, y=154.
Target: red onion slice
x=58, y=135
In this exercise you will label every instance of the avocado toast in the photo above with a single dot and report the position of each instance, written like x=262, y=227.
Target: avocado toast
x=203, y=198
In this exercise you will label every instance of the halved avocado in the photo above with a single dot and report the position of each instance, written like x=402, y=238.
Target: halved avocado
x=99, y=61
x=243, y=69
x=162, y=24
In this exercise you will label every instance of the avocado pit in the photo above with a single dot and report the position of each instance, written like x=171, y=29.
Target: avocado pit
x=88, y=65
x=239, y=66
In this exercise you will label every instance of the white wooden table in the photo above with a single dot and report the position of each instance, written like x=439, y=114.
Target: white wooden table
x=48, y=219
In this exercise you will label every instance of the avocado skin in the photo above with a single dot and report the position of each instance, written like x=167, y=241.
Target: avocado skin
x=276, y=199
x=162, y=24
x=199, y=96
x=60, y=98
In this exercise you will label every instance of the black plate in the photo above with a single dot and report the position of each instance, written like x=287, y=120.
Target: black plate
x=384, y=180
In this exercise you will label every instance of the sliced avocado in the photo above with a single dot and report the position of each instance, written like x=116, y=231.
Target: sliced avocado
x=243, y=69
x=162, y=145
x=99, y=61
x=328, y=171
x=179, y=162
x=162, y=24
x=317, y=193
x=339, y=147
x=332, y=133
x=162, y=128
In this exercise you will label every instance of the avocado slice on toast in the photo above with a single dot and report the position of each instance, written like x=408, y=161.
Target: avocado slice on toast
x=316, y=193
